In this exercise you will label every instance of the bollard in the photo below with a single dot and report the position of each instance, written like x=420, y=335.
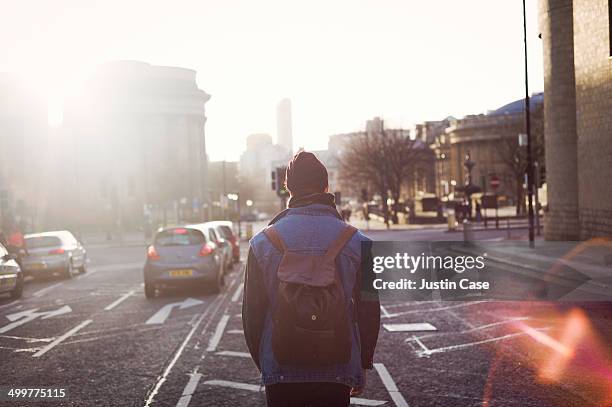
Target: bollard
x=468, y=231
x=452, y=221
x=249, y=231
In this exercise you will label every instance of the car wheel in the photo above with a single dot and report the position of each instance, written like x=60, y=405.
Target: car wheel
x=83, y=268
x=220, y=281
x=149, y=289
x=18, y=290
x=69, y=273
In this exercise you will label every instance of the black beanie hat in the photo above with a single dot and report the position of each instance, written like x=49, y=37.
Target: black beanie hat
x=305, y=175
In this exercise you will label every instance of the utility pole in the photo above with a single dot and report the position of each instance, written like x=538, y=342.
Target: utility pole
x=528, y=131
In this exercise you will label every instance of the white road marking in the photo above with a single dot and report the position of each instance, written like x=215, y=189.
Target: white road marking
x=216, y=338
x=9, y=304
x=419, y=311
x=42, y=292
x=421, y=344
x=23, y=317
x=384, y=311
x=119, y=301
x=390, y=385
x=235, y=331
x=473, y=329
x=62, y=338
x=414, y=327
x=470, y=344
x=189, y=389
x=356, y=401
x=235, y=354
x=160, y=316
x=26, y=339
x=234, y=385
x=237, y=293
x=162, y=379
x=255, y=388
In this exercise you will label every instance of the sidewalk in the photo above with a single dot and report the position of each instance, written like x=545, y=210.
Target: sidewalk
x=375, y=224
x=570, y=261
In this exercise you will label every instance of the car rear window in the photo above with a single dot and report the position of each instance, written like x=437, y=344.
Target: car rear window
x=179, y=237
x=227, y=231
x=42, y=241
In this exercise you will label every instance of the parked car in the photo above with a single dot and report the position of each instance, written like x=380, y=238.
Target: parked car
x=184, y=255
x=54, y=252
x=225, y=229
x=217, y=233
x=11, y=276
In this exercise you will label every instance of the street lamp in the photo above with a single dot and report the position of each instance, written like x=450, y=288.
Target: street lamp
x=528, y=130
x=235, y=197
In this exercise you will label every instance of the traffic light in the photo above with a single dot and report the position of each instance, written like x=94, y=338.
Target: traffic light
x=274, y=181
x=279, y=177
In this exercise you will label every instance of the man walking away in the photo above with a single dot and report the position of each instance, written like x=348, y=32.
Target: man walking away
x=310, y=318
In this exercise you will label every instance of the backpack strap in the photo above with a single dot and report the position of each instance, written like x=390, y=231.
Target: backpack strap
x=337, y=245
x=274, y=237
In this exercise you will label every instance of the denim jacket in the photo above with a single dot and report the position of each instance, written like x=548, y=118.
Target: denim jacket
x=309, y=229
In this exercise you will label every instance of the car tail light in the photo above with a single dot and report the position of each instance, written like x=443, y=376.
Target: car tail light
x=152, y=253
x=205, y=250
x=57, y=251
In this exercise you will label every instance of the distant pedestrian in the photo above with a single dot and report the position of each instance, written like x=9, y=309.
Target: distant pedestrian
x=310, y=326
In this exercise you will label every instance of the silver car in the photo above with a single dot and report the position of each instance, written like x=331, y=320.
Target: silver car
x=11, y=277
x=218, y=235
x=54, y=252
x=183, y=256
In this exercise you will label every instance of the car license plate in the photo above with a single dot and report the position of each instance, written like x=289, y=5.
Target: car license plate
x=181, y=273
x=7, y=282
x=37, y=266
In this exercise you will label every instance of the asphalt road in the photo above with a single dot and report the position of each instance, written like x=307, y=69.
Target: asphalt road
x=98, y=337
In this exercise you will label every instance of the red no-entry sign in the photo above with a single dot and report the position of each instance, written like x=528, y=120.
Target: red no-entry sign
x=494, y=181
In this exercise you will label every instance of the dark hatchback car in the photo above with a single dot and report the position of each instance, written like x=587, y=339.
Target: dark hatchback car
x=181, y=256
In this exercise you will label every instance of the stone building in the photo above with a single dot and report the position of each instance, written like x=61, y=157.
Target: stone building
x=134, y=150
x=577, y=47
x=492, y=142
x=25, y=146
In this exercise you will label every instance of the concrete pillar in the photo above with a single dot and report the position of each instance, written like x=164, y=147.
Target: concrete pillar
x=556, y=26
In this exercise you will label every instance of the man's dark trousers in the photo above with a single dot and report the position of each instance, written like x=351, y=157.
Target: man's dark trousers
x=308, y=395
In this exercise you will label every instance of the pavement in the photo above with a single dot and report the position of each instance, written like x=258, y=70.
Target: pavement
x=98, y=337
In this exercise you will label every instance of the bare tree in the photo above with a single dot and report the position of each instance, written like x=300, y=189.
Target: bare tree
x=385, y=160
x=514, y=156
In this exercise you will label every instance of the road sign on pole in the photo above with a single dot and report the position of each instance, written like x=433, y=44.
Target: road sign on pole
x=494, y=181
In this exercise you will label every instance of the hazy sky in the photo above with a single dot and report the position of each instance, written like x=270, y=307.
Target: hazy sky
x=340, y=62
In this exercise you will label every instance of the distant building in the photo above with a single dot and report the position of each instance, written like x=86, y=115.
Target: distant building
x=577, y=45
x=25, y=147
x=492, y=142
x=432, y=134
x=135, y=149
x=284, y=125
x=256, y=164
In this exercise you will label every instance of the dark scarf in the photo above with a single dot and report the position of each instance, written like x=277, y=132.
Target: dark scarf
x=323, y=198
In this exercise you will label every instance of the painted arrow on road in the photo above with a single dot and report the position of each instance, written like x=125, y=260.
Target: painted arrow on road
x=160, y=316
x=23, y=317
